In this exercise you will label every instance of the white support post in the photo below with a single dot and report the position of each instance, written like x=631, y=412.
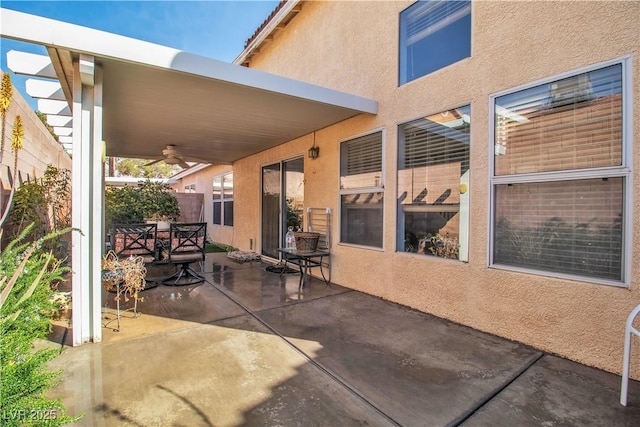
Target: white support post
x=97, y=208
x=87, y=206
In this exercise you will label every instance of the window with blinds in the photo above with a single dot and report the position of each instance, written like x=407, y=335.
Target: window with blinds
x=223, y=200
x=361, y=191
x=433, y=178
x=560, y=173
x=433, y=34
x=361, y=162
x=573, y=123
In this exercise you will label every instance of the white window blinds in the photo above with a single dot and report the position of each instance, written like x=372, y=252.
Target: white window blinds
x=432, y=16
x=361, y=162
x=573, y=123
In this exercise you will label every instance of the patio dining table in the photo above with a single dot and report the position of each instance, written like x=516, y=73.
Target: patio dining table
x=305, y=261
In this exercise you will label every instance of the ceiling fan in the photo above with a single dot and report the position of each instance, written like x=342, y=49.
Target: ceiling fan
x=173, y=157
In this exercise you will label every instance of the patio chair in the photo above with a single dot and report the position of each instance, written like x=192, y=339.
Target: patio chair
x=186, y=246
x=134, y=240
x=629, y=331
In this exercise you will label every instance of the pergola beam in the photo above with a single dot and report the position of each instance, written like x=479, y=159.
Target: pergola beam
x=44, y=89
x=30, y=64
x=52, y=106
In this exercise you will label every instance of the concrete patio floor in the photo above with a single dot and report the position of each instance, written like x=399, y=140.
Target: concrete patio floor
x=247, y=347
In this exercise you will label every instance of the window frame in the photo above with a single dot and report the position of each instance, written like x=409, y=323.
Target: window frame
x=624, y=171
x=224, y=199
x=398, y=210
x=402, y=46
x=360, y=190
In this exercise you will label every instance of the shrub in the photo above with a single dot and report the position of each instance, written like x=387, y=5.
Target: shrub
x=148, y=201
x=45, y=205
x=25, y=310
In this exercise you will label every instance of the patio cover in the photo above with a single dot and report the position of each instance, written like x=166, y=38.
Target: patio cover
x=139, y=97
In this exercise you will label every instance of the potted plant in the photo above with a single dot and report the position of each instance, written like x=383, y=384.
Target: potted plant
x=127, y=275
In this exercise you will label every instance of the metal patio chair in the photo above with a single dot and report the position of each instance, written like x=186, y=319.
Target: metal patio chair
x=186, y=246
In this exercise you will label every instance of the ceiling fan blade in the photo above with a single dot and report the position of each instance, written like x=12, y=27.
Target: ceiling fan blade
x=154, y=162
x=183, y=164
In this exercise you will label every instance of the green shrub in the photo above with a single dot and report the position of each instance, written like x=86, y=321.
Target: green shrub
x=45, y=205
x=148, y=201
x=26, y=308
x=123, y=205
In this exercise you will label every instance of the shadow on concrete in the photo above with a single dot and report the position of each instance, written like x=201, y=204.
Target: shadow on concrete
x=251, y=348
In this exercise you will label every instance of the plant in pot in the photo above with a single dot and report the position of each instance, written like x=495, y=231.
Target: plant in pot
x=158, y=204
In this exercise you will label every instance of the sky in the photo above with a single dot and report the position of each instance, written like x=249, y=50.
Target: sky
x=215, y=28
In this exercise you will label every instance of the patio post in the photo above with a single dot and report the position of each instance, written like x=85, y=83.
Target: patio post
x=87, y=201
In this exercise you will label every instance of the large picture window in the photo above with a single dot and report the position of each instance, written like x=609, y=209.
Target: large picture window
x=223, y=200
x=560, y=176
x=433, y=34
x=361, y=191
x=433, y=181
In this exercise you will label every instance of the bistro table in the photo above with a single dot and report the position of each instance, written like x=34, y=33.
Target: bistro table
x=305, y=261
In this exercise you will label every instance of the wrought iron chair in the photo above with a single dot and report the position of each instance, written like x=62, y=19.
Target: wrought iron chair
x=134, y=239
x=186, y=246
x=137, y=240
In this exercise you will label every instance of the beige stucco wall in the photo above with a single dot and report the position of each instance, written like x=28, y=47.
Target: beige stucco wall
x=39, y=148
x=353, y=46
x=203, y=181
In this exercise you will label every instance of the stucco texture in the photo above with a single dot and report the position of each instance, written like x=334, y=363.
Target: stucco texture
x=353, y=46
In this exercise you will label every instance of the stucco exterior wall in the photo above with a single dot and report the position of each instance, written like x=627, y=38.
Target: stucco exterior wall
x=353, y=46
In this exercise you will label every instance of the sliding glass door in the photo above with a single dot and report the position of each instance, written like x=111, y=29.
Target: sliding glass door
x=282, y=203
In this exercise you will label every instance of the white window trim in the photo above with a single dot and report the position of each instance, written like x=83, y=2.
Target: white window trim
x=346, y=191
x=396, y=193
x=402, y=66
x=625, y=171
x=222, y=201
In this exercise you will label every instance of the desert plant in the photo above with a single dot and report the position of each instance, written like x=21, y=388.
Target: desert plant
x=57, y=184
x=25, y=306
x=6, y=93
x=16, y=144
x=44, y=204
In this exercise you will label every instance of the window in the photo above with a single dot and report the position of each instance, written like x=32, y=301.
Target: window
x=560, y=176
x=433, y=34
x=223, y=200
x=361, y=191
x=433, y=181
x=190, y=188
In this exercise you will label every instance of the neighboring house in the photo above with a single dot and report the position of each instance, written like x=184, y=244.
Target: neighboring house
x=504, y=143
x=39, y=148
